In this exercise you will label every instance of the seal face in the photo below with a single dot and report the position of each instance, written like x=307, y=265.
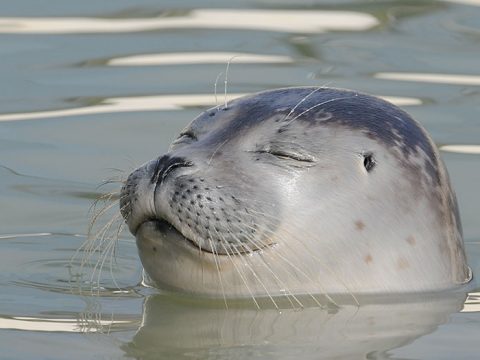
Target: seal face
x=298, y=190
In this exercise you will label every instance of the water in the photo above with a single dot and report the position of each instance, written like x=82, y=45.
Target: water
x=88, y=87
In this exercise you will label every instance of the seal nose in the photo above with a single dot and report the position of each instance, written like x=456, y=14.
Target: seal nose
x=165, y=165
x=135, y=203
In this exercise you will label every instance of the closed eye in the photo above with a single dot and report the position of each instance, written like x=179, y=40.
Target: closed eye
x=186, y=135
x=286, y=155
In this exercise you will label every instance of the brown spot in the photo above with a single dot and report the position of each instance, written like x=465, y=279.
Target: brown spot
x=411, y=240
x=359, y=225
x=368, y=259
x=402, y=263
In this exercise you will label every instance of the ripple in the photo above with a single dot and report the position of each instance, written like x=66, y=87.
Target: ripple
x=297, y=21
x=465, y=26
x=462, y=149
x=155, y=103
x=198, y=58
x=431, y=78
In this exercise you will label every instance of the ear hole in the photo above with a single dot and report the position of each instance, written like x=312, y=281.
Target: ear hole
x=368, y=161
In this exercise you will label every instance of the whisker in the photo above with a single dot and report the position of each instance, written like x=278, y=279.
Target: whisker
x=318, y=105
x=215, y=257
x=258, y=279
x=253, y=272
x=215, y=88
x=296, y=268
x=98, y=215
x=301, y=101
x=279, y=281
x=259, y=246
x=312, y=254
x=216, y=150
x=105, y=198
x=108, y=253
x=226, y=78
x=241, y=276
x=102, y=241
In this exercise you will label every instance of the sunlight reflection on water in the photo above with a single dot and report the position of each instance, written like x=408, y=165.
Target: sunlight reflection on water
x=462, y=149
x=432, y=78
x=198, y=58
x=314, y=21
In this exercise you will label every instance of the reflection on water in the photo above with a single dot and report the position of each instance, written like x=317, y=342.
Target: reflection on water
x=59, y=324
x=348, y=332
x=126, y=104
x=198, y=58
x=466, y=2
x=462, y=149
x=472, y=304
x=314, y=21
x=432, y=78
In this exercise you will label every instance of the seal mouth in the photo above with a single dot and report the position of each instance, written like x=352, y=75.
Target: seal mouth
x=169, y=232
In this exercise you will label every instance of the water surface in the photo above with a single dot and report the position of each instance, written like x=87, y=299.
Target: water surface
x=91, y=90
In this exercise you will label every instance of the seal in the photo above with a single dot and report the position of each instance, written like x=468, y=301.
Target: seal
x=298, y=191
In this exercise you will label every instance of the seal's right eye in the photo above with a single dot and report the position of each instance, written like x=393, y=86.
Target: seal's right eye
x=368, y=161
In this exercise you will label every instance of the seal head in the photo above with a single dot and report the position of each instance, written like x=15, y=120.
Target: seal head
x=298, y=190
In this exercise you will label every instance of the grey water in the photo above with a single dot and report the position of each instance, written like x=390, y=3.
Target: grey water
x=89, y=90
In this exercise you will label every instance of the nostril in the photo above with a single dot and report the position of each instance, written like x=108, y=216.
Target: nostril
x=165, y=165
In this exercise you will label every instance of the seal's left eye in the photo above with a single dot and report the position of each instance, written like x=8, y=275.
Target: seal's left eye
x=186, y=135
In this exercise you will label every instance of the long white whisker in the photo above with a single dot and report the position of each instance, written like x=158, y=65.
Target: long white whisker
x=260, y=246
x=312, y=254
x=111, y=242
x=226, y=78
x=215, y=88
x=98, y=215
x=301, y=101
x=253, y=272
x=215, y=257
x=241, y=276
x=296, y=268
x=215, y=151
x=317, y=105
